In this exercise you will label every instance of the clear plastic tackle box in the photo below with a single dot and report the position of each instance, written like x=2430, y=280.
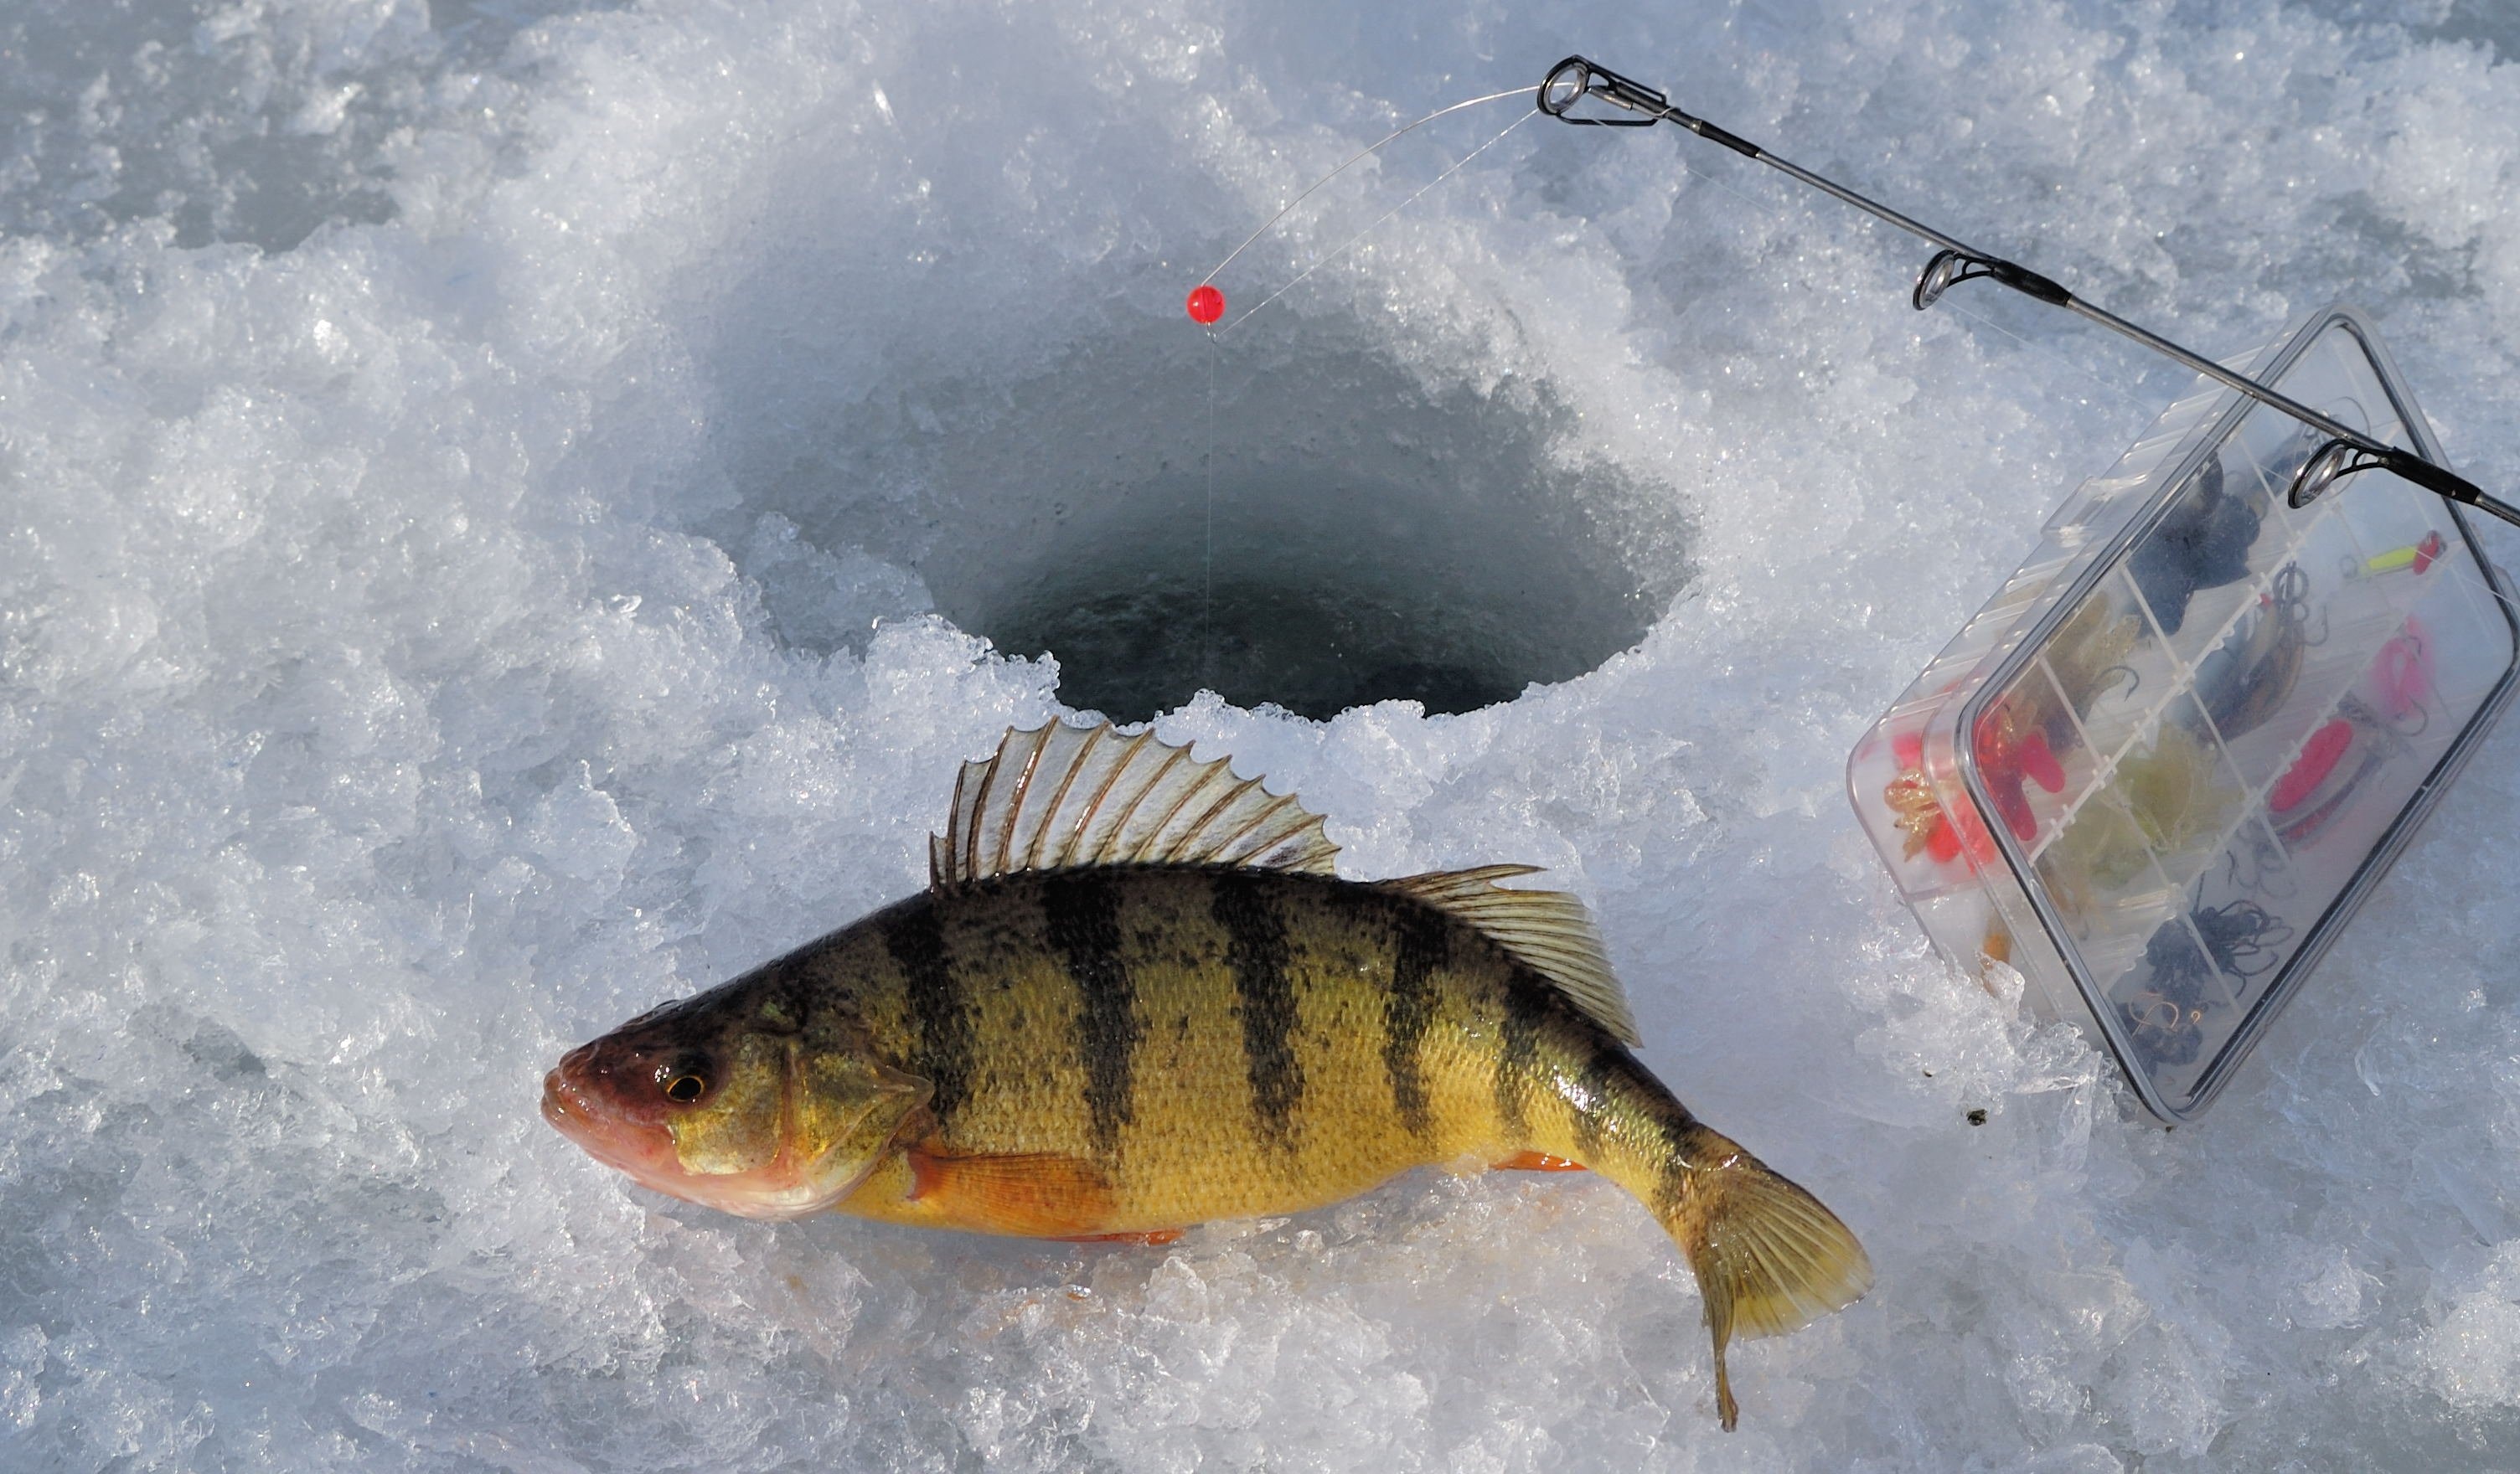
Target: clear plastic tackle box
x=2163, y=766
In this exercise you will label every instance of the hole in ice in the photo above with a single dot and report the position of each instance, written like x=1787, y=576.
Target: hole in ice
x=1373, y=532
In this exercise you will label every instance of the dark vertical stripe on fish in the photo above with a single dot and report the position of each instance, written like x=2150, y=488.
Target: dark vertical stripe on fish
x=937, y=1010
x=1676, y=1127
x=1255, y=949
x=1424, y=948
x=1083, y=913
x=1526, y=1009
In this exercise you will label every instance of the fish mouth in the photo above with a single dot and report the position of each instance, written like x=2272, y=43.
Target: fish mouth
x=563, y=1107
x=645, y=1153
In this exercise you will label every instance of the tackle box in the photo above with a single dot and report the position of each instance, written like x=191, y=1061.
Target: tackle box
x=2158, y=771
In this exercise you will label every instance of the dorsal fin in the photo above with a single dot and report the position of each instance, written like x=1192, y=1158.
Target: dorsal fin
x=1061, y=797
x=1548, y=931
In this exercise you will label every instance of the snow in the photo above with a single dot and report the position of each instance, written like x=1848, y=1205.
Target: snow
x=490, y=492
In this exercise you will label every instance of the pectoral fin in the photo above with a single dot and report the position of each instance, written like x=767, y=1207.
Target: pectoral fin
x=1030, y=1194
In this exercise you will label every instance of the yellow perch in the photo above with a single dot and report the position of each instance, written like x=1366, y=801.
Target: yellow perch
x=1135, y=997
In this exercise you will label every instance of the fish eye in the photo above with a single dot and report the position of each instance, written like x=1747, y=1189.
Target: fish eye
x=684, y=1086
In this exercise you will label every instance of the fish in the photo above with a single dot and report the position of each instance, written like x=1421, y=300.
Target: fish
x=1137, y=996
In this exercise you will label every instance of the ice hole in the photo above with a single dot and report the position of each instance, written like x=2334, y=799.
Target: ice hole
x=1365, y=530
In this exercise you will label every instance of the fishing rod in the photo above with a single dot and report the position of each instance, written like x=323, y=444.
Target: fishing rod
x=2346, y=451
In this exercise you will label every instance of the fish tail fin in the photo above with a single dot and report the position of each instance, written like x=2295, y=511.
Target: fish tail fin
x=1767, y=1256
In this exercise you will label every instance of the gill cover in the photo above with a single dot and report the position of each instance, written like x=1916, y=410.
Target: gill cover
x=791, y=1130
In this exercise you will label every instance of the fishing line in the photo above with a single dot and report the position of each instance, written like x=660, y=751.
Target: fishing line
x=1206, y=305
x=1207, y=563
x=1343, y=247
x=1353, y=159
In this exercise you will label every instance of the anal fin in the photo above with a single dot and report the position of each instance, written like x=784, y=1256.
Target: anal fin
x=1536, y=1161
x=1027, y=1194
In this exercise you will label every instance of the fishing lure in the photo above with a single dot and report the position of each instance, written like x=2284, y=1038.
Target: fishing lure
x=2087, y=656
x=1918, y=812
x=2165, y=1017
x=2202, y=542
x=2356, y=742
x=2413, y=557
x=2243, y=939
x=2166, y=800
x=2011, y=753
x=2333, y=766
x=2401, y=675
x=2170, y=791
x=2245, y=682
x=2255, y=862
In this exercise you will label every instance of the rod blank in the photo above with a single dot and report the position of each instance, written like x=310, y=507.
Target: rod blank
x=2346, y=451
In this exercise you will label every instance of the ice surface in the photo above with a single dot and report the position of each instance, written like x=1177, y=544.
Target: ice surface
x=476, y=478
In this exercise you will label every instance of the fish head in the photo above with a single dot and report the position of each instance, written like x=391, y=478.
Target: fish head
x=725, y=1101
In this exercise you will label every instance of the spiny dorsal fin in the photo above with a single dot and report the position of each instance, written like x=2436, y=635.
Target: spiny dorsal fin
x=1549, y=931
x=1061, y=797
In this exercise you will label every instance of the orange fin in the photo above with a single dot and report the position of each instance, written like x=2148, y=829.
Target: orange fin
x=1537, y=1161
x=1151, y=1238
x=1032, y=1194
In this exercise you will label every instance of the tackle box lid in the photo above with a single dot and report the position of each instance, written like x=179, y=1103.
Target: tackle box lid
x=2163, y=766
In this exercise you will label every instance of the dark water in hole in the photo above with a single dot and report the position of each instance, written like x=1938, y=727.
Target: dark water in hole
x=1370, y=531
x=1315, y=651
x=1317, y=585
